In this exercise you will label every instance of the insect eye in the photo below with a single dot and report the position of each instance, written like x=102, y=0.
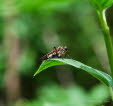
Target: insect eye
x=66, y=48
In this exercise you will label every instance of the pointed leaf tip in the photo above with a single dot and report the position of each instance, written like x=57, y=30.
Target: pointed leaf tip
x=102, y=76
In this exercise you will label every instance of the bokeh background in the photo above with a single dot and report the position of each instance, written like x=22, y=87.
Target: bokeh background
x=31, y=28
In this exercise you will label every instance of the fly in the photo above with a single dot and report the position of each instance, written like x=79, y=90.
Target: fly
x=59, y=52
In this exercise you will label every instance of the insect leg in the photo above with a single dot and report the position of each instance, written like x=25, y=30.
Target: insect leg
x=56, y=51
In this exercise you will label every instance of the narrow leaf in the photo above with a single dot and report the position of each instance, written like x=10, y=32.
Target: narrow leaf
x=101, y=4
x=103, y=77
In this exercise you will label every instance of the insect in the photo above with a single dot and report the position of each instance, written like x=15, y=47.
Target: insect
x=59, y=52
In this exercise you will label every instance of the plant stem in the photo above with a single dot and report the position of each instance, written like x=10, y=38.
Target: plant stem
x=111, y=92
x=108, y=42
x=107, y=38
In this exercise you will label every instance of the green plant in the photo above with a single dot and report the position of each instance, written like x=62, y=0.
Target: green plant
x=100, y=6
x=53, y=95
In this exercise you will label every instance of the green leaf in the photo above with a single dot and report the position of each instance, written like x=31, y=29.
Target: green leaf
x=43, y=5
x=101, y=4
x=103, y=77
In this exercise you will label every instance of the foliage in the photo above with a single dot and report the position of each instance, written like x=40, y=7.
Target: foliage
x=42, y=24
x=52, y=95
x=37, y=6
x=103, y=77
x=101, y=4
x=100, y=7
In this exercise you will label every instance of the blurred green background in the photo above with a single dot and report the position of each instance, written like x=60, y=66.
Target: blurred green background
x=28, y=30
